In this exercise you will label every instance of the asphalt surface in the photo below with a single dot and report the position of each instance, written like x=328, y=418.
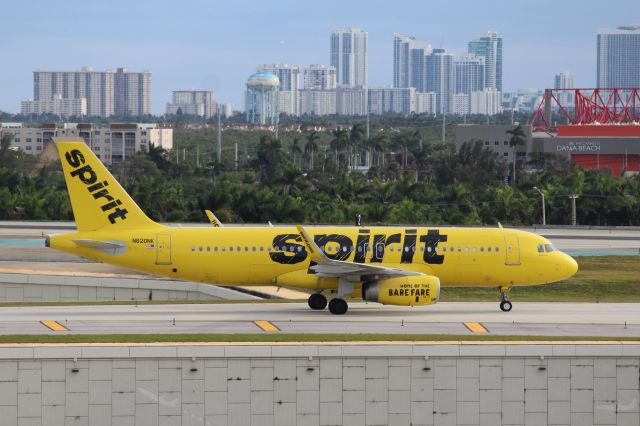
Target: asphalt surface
x=544, y=319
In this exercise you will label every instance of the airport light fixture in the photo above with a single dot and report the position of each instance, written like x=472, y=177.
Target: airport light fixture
x=544, y=216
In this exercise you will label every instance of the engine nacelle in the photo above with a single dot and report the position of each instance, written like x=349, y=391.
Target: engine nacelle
x=403, y=291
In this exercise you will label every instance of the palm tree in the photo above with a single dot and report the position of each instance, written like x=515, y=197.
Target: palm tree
x=518, y=138
x=356, y=134
x=338, y=143
x=295, y=148
x=311, y=147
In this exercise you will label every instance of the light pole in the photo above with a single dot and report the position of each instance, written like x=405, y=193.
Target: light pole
x=544, y=216
x=573, y=197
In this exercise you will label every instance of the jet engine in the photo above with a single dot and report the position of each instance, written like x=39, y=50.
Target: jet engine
x=404, y=291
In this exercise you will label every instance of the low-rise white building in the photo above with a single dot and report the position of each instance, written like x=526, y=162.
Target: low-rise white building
x=399, y=100
x=460, y=104
x=426, y=103
x=112, y=144
x=351, y=101
x=317, y=102
x=64, y=107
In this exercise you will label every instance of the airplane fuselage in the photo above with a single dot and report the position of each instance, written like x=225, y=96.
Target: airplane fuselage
x=488, y=257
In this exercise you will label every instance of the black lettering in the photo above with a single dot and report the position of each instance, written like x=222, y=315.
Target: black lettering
x=377, y=254
x=86, y=174
x=341, y=240
x=393, y=238
x=390, y=292
x=74, y=158
x=104, y=194
x=298, y=254
x=111, y=205
x=361, y=246
x=98, y=186
x=118, y=213
x=409, y=246
x=431, y=241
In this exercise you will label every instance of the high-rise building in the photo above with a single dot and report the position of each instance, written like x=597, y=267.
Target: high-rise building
x=486, y=102
x=409, y=62
x=65, y=107
x=351, y=101
x=348, y=54
x=460, y=104
x=192, y=102
x=318, y=102
x=469, y=73
x=440, y=79
x=400, y=100
x=489, y=46
x=97, y=87
x=319, y=77
x=426, y=103
x=289, y=76
x=564, y=80
x=619, y=57
x=132, y=92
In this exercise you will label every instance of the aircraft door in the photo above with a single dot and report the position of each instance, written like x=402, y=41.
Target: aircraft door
x=163, y=249
x=512, y=246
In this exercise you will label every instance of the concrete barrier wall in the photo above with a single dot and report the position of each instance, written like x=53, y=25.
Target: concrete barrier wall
x=56, y=288
x=395, y=384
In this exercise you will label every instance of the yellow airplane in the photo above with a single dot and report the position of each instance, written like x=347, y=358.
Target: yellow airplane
x=390, y=265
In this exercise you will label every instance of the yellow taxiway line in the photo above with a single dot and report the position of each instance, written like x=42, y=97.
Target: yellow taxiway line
x=266, y=326
x=54, y=325
x=475, y=327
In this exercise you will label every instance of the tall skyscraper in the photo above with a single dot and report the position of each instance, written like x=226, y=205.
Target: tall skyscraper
x=564, y=80
x=409, y=62
x=469, y=71
x=619, y=57
x=319, y=77
x=440, y=79
x=289, y=76
x=489, y=46
x=97, y=87
x=348, y=54
x=132, y=92
x=193, y=102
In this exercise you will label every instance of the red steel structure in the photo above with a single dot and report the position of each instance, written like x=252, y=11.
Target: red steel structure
x=590, y=107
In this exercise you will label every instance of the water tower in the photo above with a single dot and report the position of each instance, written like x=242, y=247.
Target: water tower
x=262, y=99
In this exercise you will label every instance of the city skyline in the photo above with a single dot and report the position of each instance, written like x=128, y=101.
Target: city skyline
x=183, y=49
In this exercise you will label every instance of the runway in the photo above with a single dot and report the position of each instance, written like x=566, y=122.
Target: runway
x=543, y=319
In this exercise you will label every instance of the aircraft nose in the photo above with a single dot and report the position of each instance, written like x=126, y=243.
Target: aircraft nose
x=569, y=265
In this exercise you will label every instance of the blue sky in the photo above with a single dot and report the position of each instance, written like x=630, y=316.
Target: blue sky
x=215, y=45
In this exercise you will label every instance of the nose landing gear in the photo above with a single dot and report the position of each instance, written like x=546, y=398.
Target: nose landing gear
x=505, y=304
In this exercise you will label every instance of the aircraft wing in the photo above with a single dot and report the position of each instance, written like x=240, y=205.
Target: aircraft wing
x=326, y=267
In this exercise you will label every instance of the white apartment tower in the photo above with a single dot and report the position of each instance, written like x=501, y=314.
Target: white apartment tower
x=289, y=76
x=319, y=77
x=97, y=87
x=348, y=54
x=469, y=71
x=619, y=57
x=193, y=102
x=132, y=92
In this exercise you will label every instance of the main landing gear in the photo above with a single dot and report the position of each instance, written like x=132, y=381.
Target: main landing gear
x=337, y=305
x=505, y=305
x=317, y=301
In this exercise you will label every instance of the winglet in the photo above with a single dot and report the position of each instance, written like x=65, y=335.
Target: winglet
x=213, y=219
x=315, y=253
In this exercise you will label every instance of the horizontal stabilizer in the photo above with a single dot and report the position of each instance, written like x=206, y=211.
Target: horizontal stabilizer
x=109, y=247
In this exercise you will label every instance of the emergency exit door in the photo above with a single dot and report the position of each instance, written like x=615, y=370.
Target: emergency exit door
x=163, y=249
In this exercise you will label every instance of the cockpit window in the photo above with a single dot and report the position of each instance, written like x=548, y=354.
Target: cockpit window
x=540, y=248
x=549, y=248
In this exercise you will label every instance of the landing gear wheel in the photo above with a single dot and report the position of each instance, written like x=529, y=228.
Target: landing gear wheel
x=338, y=306
x=317, y=301
x=505, y=306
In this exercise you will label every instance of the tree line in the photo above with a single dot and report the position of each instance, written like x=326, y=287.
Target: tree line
x=395, y=176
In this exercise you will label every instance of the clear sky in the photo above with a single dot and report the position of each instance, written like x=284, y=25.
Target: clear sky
x=215, y=45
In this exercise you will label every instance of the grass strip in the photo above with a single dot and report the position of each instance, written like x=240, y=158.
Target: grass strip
x=289, y=338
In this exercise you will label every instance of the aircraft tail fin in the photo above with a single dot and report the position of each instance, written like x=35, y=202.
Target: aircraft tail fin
x=97, y=199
